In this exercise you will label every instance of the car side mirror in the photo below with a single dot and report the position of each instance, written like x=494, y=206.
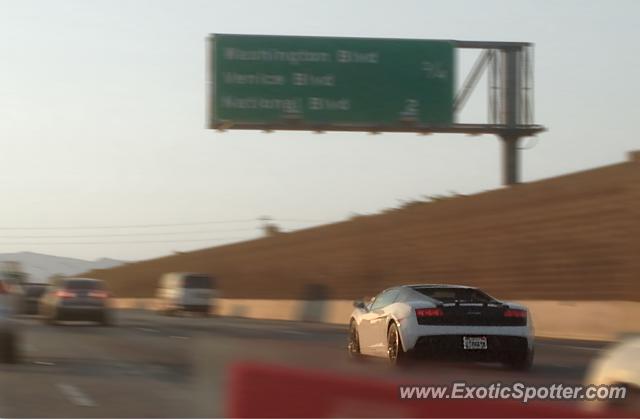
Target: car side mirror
x=360, y=304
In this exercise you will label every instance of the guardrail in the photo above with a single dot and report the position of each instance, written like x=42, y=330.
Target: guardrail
x=583, y=320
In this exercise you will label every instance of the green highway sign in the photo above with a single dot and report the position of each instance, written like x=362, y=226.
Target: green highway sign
x=324, y=83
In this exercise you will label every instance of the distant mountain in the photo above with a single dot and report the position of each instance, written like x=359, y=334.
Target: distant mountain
x=40, y=268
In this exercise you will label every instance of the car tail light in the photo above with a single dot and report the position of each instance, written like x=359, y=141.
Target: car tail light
x=520, y=314
x=429, y=312
x=3, y=288
x=99, y=294
x=65, y=294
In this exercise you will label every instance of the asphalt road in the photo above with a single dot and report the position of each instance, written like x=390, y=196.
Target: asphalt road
x=153, y=366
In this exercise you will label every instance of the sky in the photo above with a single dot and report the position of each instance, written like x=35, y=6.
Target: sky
x=102, y=119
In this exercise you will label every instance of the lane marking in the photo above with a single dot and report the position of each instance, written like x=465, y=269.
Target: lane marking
x=294, y=332
x=582, y=348
x=179, y=337
x=147, y=329
x=75, y=395
x=122, y=365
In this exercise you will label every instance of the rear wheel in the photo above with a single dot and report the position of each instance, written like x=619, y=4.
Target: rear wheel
x=395, y=351
x=631, y=402
x=51, y=319
x=8, y=348
x=354, y=341
x=167, y=309
x=106, y=320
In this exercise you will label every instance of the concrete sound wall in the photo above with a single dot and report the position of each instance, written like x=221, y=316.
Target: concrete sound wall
x=583, y=320
x=574, y=238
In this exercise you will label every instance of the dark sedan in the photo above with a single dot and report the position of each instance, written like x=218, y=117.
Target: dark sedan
x=9, y=347
x=30, y=297
x=76, y=299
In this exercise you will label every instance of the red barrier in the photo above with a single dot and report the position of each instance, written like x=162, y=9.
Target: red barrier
x=268, y=391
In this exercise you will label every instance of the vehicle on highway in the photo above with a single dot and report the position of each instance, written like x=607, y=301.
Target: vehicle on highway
x=186, y=292
x=8, y=328
x=30, y=295
x=13, y=278
x=443, y=321
x=79, y=299
x=617, y=365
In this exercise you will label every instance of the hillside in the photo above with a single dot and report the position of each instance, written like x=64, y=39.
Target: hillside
x=40, y=267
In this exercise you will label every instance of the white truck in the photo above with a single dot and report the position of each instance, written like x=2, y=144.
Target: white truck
x=186, y=292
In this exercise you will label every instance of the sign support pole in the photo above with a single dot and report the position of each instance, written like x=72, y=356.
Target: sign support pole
x=510, y=160
x=511, y=110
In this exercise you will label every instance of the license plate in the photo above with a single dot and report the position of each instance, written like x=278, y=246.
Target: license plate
x=474, y=342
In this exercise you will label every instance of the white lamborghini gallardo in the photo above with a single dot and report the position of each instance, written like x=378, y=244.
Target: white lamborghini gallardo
x=442, y=320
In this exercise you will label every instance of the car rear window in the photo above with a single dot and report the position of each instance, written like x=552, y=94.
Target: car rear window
x=80, y=284
x=35, y=290
x=450, y=295
x=198, y=281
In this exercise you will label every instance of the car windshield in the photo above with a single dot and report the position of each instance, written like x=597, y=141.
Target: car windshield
x=450, y=295
x=197, y=281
